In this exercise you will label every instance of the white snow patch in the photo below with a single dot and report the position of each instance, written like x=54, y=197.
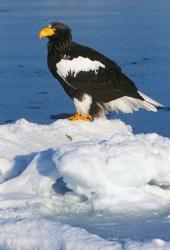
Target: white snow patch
x=5, y=166
x=107, y=167
x=44, y=234
x=118, y=171
x=74, y=66
x=156, y=244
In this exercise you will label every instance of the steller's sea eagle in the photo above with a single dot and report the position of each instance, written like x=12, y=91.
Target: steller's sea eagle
x=95, y=83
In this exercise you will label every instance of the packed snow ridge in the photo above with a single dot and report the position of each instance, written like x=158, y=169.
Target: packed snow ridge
x=77, y=167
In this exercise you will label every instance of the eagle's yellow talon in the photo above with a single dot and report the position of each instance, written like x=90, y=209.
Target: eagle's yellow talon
x=77, y=117
x=87, y=118
x=74, y=117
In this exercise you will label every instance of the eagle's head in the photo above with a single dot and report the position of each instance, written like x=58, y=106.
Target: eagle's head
x=55, y=31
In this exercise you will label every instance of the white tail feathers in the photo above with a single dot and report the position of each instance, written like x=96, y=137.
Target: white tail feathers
x=150, y=100
x=128, y=104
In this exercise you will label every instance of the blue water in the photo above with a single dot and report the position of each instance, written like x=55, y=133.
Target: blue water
x=134, y=33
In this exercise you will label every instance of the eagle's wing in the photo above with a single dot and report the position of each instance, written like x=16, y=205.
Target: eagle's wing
x=104, y=85
x=90, y=72
x=87, y=52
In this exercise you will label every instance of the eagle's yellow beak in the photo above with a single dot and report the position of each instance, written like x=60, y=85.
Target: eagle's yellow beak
x=45, y=32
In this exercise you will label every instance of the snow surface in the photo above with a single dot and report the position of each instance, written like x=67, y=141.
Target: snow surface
x=78, y=168
x=74, y=66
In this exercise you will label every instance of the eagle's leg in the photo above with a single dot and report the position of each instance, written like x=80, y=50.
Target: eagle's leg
x=77, y=117
x=82, y=104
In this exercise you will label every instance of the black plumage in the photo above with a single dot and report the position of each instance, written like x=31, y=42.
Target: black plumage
x=94, y=82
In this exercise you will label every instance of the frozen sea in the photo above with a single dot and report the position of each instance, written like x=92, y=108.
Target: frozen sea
x=81, y=186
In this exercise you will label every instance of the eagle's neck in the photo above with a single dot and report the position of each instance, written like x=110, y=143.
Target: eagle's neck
x=59, y=47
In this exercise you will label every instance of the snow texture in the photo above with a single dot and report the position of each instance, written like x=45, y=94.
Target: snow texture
x=49, y=171
x=76, y=65
x=49, y=235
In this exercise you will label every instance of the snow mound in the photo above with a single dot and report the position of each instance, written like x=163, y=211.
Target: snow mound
x=49, y=235
x=126, y=169
x=155, y=244
x=102, y=163
x=30, y=234
x=74, y=168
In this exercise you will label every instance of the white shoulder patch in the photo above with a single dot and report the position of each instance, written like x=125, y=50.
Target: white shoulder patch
x=74, y=66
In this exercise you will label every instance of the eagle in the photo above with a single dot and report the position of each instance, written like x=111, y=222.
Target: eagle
x=95, y=83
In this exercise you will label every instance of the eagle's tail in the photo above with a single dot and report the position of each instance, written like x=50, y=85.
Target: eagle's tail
x=150, y=100
x=149, y=103
x=127, y=104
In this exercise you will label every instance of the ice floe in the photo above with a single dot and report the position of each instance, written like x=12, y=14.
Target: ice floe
x=75, y=168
